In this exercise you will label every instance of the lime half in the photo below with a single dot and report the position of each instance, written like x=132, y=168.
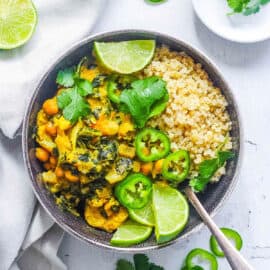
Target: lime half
x=171, y=212
x=144, y=215
x=125, y=56
x=130, y=233
x=18, y=19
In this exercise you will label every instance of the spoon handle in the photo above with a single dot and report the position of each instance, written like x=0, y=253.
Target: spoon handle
x=235, y=259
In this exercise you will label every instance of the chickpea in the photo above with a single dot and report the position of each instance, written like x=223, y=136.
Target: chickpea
x=53, y=160
x=59, y=172
x=71, y=177
x=50, y=106
x=42, y=154
x=146, y=168
x=51, y=129
x=47, y=166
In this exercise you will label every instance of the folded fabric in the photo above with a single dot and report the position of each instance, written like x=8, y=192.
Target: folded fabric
x=60, y=23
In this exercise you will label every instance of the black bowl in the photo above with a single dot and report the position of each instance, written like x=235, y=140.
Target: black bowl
x=211, y=199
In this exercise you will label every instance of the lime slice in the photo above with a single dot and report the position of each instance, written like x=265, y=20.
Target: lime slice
x=126, y=56
x=130, y=233
x=171, y=212
x=18, y=19
x=144, y=215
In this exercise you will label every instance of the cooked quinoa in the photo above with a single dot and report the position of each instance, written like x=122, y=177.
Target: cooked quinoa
x=195, y=118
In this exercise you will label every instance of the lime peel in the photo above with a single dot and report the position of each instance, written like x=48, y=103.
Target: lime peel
x=130, y=233
x=125, y=57
x=18, y=20
x=171, y=212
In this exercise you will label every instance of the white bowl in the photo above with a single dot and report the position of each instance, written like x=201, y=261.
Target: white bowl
x=238, y=28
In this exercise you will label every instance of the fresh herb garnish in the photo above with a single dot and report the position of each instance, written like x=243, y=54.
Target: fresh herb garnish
x=246, y=7
x=71, y=100
x=145, y=99
x=65, y=77
x=124, y=265
x=155, y=1
x=208, y=168
x=141, y=262
x=73, y=105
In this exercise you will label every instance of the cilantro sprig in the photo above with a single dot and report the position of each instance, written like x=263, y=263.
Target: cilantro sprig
x=141, y=262
x=246, y=7
x=208, y=168
x=146, y=98
x=71, y=100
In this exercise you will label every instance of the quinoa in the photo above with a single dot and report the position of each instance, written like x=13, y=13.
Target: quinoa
x=195, y=118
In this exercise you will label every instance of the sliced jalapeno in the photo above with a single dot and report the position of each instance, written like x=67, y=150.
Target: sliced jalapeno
x=196, y=267
x=230, y=234
x=176, y=166
x=203, y=255
x=152, y=144
x=134, y=191
x=111, y=90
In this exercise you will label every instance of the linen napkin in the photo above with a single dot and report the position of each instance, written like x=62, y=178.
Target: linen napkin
x=60, y=23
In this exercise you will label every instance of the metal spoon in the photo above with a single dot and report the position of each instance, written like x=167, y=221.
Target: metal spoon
x=235, y=259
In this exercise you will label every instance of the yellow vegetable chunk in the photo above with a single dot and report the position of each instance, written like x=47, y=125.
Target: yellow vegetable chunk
x=49, y=177
x=126, y=151
x=95, y=218
x=106, y=126
x=62, y=123
x=125, y=128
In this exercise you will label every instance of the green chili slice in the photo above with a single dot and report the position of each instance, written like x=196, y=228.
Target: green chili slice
x=231, y=235
x=196, y=267
x=202, y=255
x=134, y=191
x=152, y=144
x=176, y=166
x=111, y=90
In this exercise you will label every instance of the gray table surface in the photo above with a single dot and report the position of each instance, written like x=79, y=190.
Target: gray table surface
x=246, y=67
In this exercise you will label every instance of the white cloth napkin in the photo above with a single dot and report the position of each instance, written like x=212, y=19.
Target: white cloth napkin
x=60, y=23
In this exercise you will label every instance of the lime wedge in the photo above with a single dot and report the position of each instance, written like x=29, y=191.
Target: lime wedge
x=125, y=56
x=18, y=19
x=171, y=212
x=144, y=215
x=130, y=233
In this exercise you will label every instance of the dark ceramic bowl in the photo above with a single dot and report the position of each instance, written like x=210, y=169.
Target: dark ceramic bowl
x=215, y=194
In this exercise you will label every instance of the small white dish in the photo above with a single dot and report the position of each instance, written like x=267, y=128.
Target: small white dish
x=238, y=28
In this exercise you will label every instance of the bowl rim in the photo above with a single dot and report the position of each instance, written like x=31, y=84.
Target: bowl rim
x=26, y=119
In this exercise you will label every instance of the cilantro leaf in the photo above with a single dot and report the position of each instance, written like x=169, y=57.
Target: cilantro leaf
x=64, y=98
x=141, y=262
x=251, y=9
x=237, y=5
x=73, y=105
x=264, y=2
x=155, y=267
x=145, y=99
x=246, y=7
x=65, y=77
x=223, y=156
x=84, y=87
x=124, y=265
x=208, y=168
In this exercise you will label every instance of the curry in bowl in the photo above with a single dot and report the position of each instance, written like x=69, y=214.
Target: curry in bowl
x=115, y=146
